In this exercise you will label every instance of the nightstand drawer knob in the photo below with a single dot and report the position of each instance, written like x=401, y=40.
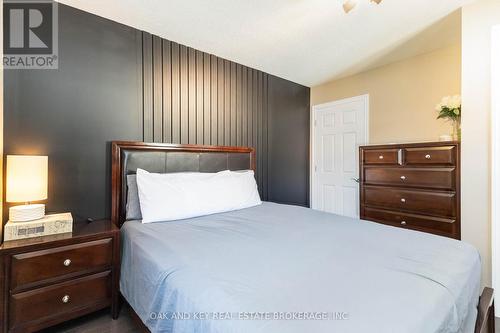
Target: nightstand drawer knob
x=403, y=200
x=67, y=262
x=427, y=157
x=403, y=177
x=403, y=222
x=65, y=299
x=381, y=157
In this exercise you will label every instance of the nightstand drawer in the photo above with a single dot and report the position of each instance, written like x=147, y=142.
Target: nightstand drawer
x=59, y=300
x=31, y=268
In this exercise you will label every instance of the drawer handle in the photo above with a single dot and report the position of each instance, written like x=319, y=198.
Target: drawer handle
x=428, y=157
x=403, y=177
x=381, y=157
x=403, y=222
x=67, y=262
x=403, y=200
x=65, y=299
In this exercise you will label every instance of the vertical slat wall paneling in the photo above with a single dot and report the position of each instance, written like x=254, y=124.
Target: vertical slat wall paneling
x=208, y=108
x=200, y=131
x=238, y=105
x=244, y=107
x=147, y=70
x=232, y=108
x=151, y=82
x=193, y=97
x=227, y=103
x=167, y=91
x=249, y=106
x=140, y=76
x=157, y=89
x=176, y=93
x=259, y=132
x=184, y=74
x=265, y=157
x=211, y=93
x=254, y=103
x=220, y=101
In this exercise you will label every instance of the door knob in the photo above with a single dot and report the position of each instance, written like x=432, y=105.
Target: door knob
x=356, y=180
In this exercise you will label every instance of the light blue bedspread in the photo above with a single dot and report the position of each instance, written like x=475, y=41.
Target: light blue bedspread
x=277, y=268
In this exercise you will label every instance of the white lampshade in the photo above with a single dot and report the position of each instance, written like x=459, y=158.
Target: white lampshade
x=26, y=178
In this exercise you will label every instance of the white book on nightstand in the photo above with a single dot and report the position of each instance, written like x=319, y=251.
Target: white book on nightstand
x=48, y=225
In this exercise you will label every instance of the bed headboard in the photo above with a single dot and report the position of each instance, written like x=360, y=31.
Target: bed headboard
x=126, y=157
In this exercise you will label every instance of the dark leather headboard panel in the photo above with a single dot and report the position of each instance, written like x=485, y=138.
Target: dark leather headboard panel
x=127, y=157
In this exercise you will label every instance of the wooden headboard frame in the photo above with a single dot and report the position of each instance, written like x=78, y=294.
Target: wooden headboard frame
x=116, y=164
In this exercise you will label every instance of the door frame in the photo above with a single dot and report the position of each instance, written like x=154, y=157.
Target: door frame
x=314, y=109
x=495, y=159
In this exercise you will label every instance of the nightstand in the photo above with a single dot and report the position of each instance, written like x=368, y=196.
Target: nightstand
x=48, y=280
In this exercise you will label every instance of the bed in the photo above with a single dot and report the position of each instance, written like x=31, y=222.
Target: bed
x=279, y=268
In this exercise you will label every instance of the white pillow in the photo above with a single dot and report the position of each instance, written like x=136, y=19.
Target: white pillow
x=174, y=196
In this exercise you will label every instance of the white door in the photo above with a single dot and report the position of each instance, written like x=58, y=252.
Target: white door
x=339, y=128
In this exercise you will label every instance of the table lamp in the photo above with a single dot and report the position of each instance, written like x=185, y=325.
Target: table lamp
x=26, y=182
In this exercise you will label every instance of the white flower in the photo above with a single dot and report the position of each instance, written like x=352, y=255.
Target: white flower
x=450, y=102
x=446, y=101
x=455, y=102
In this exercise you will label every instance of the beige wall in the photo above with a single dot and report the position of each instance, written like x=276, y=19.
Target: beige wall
x=1, y=122
x=477, y=22
x=403, y=95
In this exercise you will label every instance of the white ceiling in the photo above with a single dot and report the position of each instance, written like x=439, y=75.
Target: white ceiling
x=305, y=41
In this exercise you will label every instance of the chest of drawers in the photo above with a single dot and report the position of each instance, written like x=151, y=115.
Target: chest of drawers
x=414, y=186
x=48, y=280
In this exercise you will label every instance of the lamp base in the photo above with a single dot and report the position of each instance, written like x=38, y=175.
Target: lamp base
x=24, y=213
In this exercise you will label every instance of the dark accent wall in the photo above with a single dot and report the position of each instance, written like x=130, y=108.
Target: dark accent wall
x=288, y=146
x=192, y=97
x=117, y=83
x=72, y=113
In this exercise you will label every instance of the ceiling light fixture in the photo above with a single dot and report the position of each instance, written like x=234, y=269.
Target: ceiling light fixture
x=350, y=4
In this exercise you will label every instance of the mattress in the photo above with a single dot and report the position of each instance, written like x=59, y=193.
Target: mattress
x=279, y=268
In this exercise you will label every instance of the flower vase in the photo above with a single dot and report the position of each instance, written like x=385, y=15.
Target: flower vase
x=457, y=131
